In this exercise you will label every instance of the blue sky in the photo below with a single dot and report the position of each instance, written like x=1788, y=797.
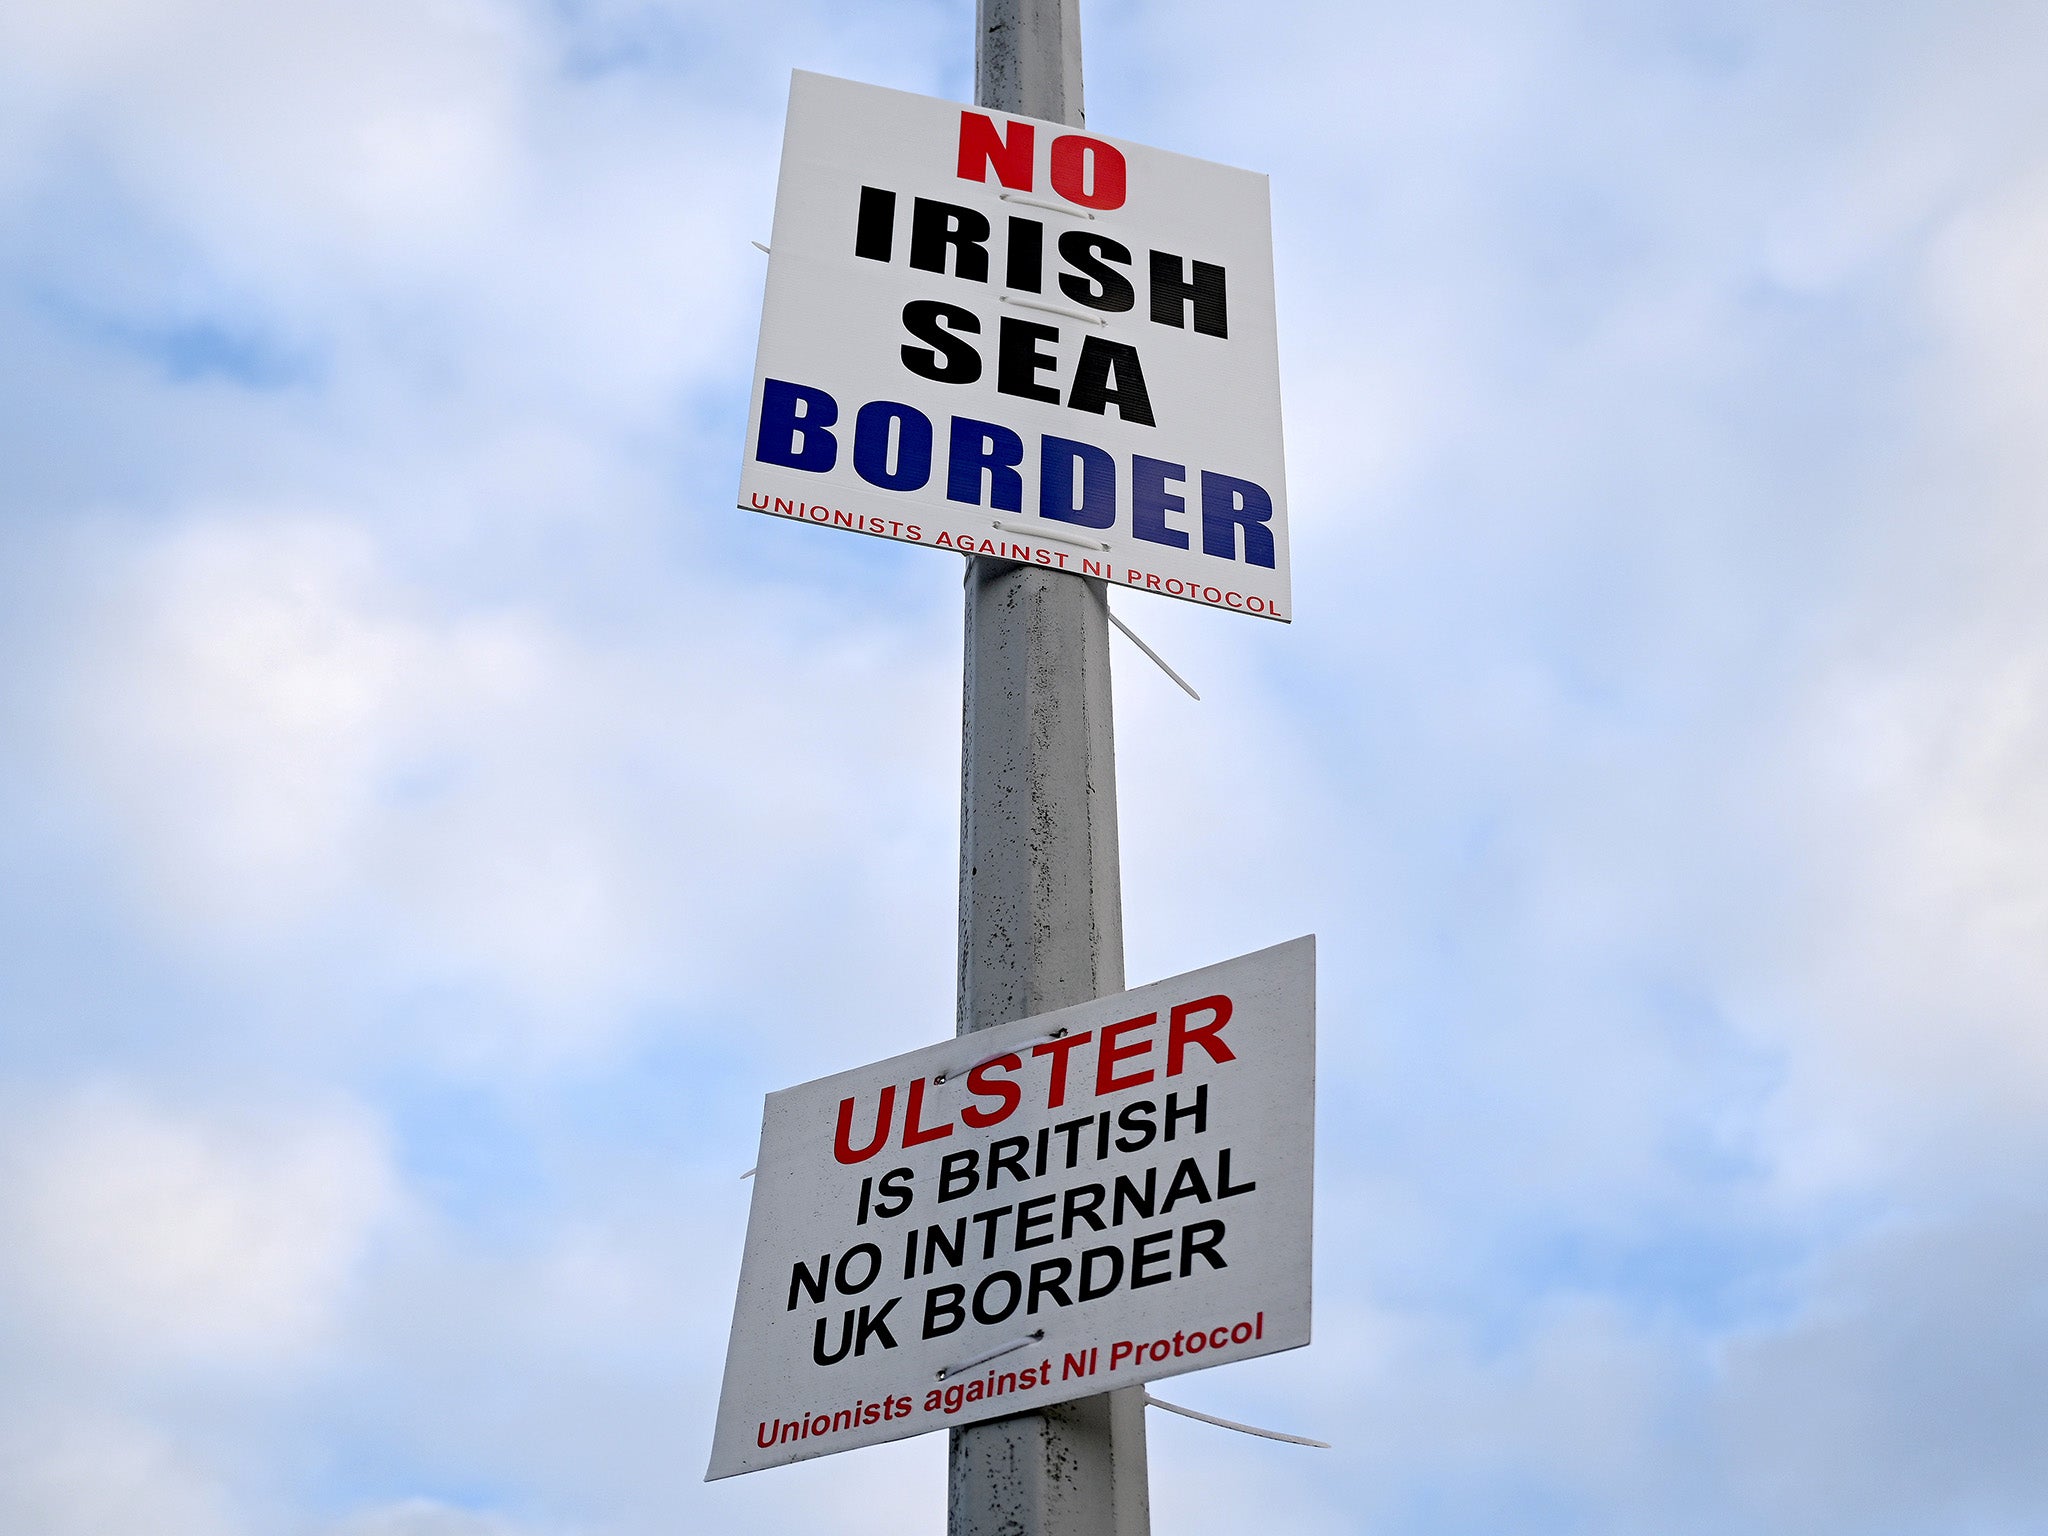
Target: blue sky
x=432, y=817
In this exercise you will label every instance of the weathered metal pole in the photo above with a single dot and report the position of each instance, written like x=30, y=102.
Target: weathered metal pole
x=1041, y=903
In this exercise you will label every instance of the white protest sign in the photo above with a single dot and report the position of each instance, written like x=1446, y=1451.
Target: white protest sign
x=1083, y=1200
x=1009, y=337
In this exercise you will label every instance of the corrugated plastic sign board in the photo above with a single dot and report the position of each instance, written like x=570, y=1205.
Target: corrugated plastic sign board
x=1049, y=1209
x=1003, y=336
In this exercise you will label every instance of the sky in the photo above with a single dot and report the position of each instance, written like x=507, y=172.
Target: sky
x=432, y=816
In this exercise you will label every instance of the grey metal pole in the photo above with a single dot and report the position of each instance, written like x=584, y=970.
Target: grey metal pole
x=1041, y=903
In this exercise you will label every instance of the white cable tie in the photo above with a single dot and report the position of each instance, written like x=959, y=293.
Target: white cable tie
x=1034, y=202
x=757, y=245
x=1052, y=538
x=940, y=1077
x=1157, y=659
x=1001, y=1349
x=1052, y=309
x=1243, y=1429
x=748, y=1174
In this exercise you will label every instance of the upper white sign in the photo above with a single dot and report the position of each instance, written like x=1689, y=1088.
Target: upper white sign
x=1084, y=1200
x=1009, y=337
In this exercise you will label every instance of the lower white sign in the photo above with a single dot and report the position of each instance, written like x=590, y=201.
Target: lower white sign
x=1088, y=1199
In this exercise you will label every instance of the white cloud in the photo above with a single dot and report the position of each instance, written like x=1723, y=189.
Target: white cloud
x=427, y=1517
x=139, y=1234
x=1908, y=1398
x=366, y=126
x=284, y=737
x=66, y=1473
x=239, y=708
x=1658, y=752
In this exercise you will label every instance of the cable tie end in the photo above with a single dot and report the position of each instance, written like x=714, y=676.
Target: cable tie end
x=1242, y=1429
